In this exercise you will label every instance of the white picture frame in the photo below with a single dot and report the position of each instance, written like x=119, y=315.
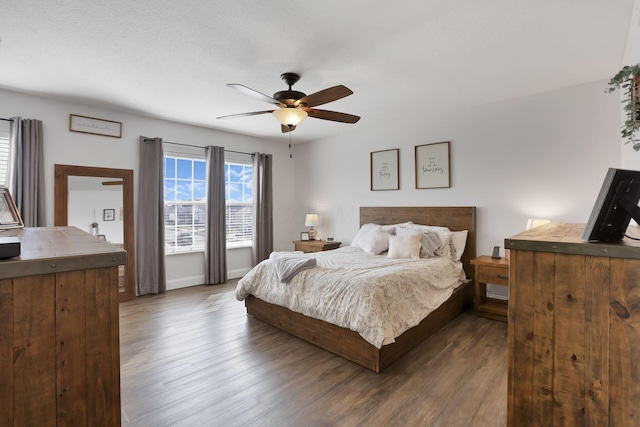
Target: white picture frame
x=92, y=125
x=385, y=170
x=432, y=165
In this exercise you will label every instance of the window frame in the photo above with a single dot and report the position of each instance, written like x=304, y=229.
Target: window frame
x=177, y=248
x=196, y=154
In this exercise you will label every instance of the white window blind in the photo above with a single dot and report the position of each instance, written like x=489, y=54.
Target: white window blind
x=5, y=150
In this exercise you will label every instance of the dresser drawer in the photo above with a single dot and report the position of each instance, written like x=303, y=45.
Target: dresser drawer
x=493, y=275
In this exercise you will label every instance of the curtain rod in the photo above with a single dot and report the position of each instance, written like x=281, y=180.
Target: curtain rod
x=6, y=120
x=199, y=146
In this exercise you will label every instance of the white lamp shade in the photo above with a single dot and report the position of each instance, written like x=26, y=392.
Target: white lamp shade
x=290, y=116
x=311, y=220
x=536, y=222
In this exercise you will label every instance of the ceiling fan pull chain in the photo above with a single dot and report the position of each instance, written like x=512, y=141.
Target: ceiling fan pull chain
x=290, y=151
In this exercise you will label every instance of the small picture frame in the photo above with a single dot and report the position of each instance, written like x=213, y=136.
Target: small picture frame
x=9, y=215
x=108, y=214
x=102, y=236
x=304, y=236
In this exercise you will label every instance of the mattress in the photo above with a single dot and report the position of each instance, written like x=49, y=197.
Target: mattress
x=378, y=297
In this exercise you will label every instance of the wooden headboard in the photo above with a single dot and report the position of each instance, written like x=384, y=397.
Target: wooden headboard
x=454, y=217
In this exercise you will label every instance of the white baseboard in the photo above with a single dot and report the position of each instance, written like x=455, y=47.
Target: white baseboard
x=235, y=274
x=185, y=282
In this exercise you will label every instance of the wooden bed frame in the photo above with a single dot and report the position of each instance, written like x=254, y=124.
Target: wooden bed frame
x=349, y=344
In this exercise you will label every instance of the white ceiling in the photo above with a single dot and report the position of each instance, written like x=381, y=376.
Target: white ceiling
x=172, y=59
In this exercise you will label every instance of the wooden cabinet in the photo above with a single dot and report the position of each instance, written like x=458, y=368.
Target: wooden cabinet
x=574, y=329
x=315, y=245
x=59, y=339
x=495, y=272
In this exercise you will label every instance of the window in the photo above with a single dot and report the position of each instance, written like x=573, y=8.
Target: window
x=5, y=150
x=185, y=203
x=238, y=183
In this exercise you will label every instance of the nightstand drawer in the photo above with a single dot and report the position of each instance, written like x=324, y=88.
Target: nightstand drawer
x=493, y=275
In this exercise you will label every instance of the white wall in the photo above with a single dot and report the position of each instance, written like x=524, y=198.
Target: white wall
x=72, y=148
x=630, y=158
x=543, y=156
x=540, y=156
x=86, y=207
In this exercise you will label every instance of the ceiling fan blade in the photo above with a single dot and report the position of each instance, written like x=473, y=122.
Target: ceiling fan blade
x=286, y=129
x=255, y=94
x=333, y=116
x=324, y=96
x=253, y=113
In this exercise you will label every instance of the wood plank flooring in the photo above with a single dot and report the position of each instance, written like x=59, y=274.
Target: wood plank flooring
x=192, y=357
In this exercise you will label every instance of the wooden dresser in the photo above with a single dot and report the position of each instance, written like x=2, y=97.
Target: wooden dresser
x=574, y=329
x=59, y=339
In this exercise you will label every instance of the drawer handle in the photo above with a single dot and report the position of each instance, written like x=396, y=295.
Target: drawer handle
x=501, y=276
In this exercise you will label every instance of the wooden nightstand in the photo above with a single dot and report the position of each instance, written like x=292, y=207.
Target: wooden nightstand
x=496, y=272
x=315, y=245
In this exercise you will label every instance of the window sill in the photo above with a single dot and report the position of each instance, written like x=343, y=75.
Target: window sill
x=201, y=250
x=184, y=251
x=239, y=245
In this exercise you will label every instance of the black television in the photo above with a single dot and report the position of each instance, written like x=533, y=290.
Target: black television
x=616, y=204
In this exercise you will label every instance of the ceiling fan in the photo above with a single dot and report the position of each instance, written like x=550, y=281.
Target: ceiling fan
x=296, y=106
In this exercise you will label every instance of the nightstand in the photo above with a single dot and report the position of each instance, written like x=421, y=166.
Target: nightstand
x=495, y=272
x=315, y=245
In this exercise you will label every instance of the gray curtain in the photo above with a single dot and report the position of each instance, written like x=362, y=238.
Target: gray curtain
x=215, y=252
x=26, y=177
x=262, y=207
x=150, y=228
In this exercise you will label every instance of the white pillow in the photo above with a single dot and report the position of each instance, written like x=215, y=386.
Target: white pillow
x=372, y=239
x=443, y=232
x=459, y=240
x=363, y=231
x=404, y=246
x=429, y=241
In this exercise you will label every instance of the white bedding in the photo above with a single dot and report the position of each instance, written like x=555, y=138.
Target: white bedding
x=377, y=297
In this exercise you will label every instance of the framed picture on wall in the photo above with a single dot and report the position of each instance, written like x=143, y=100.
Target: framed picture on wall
x=108, y=214
x=432, y=165
x=385, y=167
x=9, y=215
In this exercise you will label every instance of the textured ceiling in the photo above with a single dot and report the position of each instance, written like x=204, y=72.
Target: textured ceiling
x=172, y=59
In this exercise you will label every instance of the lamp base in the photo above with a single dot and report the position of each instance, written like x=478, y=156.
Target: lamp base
x=312, y=234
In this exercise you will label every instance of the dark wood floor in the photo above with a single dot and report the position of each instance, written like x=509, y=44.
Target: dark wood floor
x=192, y=357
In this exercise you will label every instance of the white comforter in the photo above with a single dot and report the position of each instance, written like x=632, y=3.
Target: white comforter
x=377, y=297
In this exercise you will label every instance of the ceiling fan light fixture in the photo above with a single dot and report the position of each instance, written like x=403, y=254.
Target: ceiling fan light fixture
x=290, y=116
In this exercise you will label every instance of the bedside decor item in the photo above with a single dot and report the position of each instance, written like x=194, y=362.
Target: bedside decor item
x=108, y=214
x=432, y=165
x=95, y=126
x=628, y=78
x=304, y=236
x=94, y=229
x=310, y=221
x=385, y=167
x=9, y=215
